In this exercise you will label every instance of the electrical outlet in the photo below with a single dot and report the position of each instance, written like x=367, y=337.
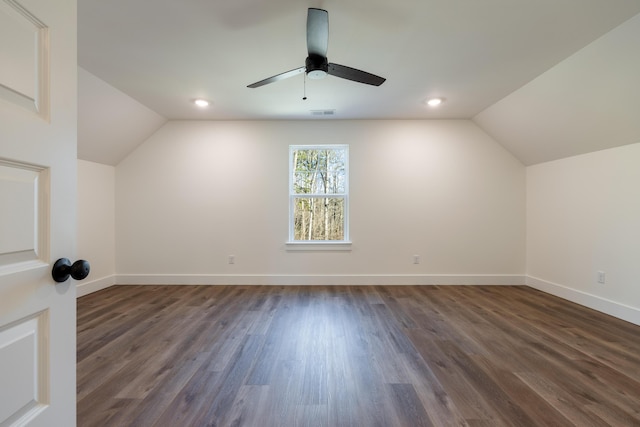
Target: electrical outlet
x=232, y=259
x=416, y=259
x=601, y=277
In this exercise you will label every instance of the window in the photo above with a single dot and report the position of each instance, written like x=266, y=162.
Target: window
x=319, y=193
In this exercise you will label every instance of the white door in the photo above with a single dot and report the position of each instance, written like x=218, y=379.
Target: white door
x=38, y=121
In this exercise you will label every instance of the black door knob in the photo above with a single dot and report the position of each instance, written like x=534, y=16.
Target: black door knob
x=63, y=268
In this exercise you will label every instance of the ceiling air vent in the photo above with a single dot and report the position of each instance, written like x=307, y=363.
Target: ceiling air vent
x=323, y=112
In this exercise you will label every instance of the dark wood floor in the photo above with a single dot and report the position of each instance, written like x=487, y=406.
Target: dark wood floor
x=185, y=356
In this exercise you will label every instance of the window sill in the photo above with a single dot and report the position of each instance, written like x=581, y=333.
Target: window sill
x=318, y=246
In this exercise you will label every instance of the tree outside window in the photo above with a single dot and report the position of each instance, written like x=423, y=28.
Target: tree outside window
x=318, y=193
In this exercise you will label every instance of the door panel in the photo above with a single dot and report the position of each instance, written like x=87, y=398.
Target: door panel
x=24, y=369
x=24, y=223
x=24, y=44
x=38, y=122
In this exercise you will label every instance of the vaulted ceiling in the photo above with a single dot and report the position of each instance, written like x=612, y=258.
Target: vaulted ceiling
x=522, y=70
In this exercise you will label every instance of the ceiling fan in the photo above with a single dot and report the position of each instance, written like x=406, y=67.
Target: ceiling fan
x=316, y=65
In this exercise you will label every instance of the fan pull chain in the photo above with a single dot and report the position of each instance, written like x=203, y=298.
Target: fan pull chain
x=304, y=87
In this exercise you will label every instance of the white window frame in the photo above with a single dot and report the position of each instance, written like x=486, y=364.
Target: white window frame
x=319, y=245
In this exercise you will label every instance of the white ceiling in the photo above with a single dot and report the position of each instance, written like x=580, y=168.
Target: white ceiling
x=165, y=53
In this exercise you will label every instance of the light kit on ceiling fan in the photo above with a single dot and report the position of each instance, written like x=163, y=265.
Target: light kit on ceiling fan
x=316, y=65
x=317, y=74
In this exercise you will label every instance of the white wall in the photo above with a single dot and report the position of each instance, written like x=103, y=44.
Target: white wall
x=96, y=224
x=583, y=216
x=196, y=192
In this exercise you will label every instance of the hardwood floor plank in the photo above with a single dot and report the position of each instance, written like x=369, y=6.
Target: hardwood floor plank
x=519, y=394
x=613, y=417
x=273, y=356
x=435, y=400
x=409, y=409
x=148, y=410
x=231, y=380
x=250, y=407
x=190, y=402
x=562, y=400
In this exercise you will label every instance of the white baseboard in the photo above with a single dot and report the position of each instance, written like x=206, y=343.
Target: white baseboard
x=612, y=308
x=348, y=279
x=87, y=287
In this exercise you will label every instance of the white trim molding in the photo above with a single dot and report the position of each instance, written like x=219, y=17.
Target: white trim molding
x=318, y=246
x=603, y=305
x=317, y=279
x=88, y=287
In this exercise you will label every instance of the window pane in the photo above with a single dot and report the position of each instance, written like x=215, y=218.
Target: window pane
x=319, y=171
x=318, y=218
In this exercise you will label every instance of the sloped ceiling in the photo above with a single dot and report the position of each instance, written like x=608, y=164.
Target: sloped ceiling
x=111, y=124
x=588, y=102
x=495, y=62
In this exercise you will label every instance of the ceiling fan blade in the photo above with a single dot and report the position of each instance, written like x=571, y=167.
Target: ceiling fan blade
x=359, y=76
x=278, y=77
x=317, y=32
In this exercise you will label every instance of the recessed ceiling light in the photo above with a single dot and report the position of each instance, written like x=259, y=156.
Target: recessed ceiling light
x=201, y=103
x=434, y=102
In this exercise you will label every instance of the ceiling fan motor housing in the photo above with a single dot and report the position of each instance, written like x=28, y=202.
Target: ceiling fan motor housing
x=317, y=66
